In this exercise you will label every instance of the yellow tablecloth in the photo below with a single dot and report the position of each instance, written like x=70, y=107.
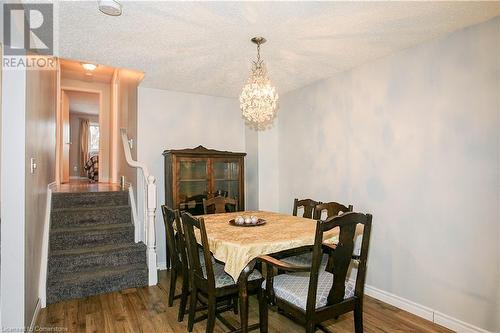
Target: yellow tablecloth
x=237, y=246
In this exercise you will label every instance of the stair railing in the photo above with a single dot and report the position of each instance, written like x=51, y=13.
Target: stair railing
x=149, y=199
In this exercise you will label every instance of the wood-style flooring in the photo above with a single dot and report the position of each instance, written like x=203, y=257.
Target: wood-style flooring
x=145, y=310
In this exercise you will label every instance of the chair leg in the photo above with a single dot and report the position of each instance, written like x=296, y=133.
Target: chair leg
x=184, y=298
x=235, y=305
x=173, y=281
x=192, y=308
x=310, y=327
x=212, y=308
x=358, y=317
x=263, y=311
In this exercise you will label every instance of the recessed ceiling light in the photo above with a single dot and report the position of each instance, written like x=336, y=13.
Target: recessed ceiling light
x=89, y=67
x=110, y=7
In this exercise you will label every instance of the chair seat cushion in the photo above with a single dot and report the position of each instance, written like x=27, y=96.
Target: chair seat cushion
x=305, y=259
x=294, y=287
x=222, y=279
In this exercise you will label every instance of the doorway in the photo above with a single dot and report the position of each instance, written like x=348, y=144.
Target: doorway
x=84, y=127
x=81, y=133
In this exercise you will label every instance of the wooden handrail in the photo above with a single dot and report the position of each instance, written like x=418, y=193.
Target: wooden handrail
x=149, y=209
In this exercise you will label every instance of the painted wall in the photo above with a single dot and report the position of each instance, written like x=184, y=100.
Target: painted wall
x=172, y=120
x=269, y=168
x=75, y=148
x=104, y=121
x=251, y=169
x=414, y=139
x=41, y=145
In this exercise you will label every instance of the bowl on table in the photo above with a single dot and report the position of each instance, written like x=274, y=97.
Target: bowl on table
x=246, y=221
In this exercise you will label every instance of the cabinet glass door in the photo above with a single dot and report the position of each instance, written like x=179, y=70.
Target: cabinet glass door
x=193, y=185
x=226, y=178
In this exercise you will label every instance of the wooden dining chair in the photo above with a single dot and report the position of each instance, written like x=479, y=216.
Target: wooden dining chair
x=171, y=217
x=210, y=280
x=219, y=205
x=307, y=204
x=311, y=295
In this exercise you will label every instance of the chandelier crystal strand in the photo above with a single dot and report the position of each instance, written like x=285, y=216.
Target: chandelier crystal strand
x=259, y=99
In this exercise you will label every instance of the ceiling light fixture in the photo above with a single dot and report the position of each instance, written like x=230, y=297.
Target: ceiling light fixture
x=110, y=7
x=89, y=67
x=259, y=99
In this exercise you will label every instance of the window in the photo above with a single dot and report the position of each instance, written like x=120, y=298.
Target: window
x=93, y=139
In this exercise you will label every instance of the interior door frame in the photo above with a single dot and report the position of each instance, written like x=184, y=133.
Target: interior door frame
x=59, y=124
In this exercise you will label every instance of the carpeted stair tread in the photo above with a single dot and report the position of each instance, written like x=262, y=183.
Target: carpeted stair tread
x=89, y=209
x=86, y=216
x=91, y=228
x=91, y=236
x=75, y=277
x=89, y=199
x=90, y=259
x=99, y=249
x=78, y=285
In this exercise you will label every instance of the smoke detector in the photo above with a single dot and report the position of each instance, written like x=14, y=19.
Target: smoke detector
x=110, y=7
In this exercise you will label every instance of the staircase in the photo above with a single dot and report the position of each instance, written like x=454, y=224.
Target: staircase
x=91, y=246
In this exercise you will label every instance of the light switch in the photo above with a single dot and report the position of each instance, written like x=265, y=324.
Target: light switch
x=33, y=165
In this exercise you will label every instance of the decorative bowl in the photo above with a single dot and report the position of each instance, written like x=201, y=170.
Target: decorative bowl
x=259, y=222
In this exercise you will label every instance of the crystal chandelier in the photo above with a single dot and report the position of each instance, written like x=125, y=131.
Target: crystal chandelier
x=259, y=99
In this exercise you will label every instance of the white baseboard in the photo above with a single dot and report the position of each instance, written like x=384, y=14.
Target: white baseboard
x=42, y=282
x=35, y=316
x=456, y=324
x=423, y=311
x=400, y=303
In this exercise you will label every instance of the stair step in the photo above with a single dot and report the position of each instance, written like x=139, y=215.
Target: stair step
x=86, y=216
x=86, y=259
x=91, y=236
x=78, y=285
x=89, y=199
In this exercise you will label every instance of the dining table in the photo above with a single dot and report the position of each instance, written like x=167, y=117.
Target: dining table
x=238, y=246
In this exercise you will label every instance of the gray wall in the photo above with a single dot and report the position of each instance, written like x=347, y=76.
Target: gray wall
x=414, y=139
x=172, y=120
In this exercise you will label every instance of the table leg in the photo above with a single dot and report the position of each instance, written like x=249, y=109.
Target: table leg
x=243, y=295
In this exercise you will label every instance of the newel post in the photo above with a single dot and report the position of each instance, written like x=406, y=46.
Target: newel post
x=151, y=237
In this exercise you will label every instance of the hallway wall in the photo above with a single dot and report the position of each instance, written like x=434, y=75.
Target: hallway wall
x=41, y=145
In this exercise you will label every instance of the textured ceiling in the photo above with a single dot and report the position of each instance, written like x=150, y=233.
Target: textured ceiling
x=204, y=47
x=83, y=102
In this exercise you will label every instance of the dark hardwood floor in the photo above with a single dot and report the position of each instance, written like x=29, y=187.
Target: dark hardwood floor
x=145, y=310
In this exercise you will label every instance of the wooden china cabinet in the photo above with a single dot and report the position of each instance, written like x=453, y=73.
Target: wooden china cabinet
x=192, y=175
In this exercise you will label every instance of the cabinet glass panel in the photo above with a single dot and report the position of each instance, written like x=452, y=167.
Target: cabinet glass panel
x=193, y=185
x=226, y=170
x=193, y=170
x=227, y=188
